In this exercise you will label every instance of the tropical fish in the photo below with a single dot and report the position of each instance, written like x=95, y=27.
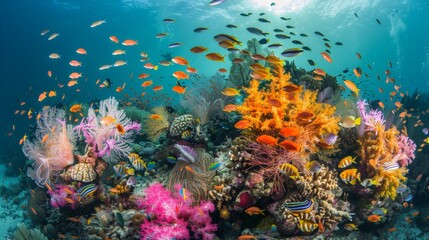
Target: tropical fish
x=350, y=122
x=314, y=166
x=200, y=29
x=326, y=56
x=120, y=128
x=290, y=145
x=254, y=211
x=214, y=166
x=350, y=227
x=97, y=23
x=242, y=124
x=221, y=37
x=76, y=108
x=256, y=31
x=114, y=39
x=81, y=51
x=350, y=176
x=289, y=170
x=300, y=207
x=180, y=75
x=266, y=139
x=215, y=57
x=122, y=171
x=369, y=182
x=174, y=45
x=374, y=218
x=230, y=92
x=107, y=120
x=118, y=52
x=216, y=2
x=179, y=89
x=129, y=42
x=292, y=52
x=139, y=164
x=86, y=191
x=307, y=226
x=350, y=85
x=180, y=60
x=54, y=56
x=53, y=36
x=289, y=132
x=347, y=161
x=106, y=83
x=198, y=49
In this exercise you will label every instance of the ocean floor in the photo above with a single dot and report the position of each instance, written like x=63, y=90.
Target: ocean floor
x=11, y=212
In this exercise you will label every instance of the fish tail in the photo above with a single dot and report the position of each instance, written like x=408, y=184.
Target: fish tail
x=155, y=68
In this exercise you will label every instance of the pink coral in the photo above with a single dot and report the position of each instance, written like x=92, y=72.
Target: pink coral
x=60, y=194
x=406, y=151
x=174, y=215
x=372, y=119
x=105, y=139
x=52, y=149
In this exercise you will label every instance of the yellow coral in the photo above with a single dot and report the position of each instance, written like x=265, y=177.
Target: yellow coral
x=379, y=147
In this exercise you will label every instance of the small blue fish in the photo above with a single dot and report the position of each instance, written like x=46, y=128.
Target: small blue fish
x=173, y=45
x=214, y=166
x=409, y=198
x=151, y=165
x=273, y=228
x=425, y=131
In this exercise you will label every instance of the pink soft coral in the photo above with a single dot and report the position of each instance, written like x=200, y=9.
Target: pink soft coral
x=174, y=215
x=62, y=195
x=52, y=149
x=405, y=154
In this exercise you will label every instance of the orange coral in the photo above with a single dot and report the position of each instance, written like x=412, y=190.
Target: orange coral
x=280, y=104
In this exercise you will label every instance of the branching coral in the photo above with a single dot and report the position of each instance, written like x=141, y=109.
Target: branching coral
x=317, y=187
x=385, y=152
x=155, y=128
x=173, y=215
x=52, y=149
x=109, y=132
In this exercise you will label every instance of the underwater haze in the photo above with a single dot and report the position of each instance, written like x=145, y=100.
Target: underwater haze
x=222, y=119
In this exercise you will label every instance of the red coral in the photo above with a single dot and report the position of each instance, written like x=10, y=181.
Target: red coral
x=174, y=215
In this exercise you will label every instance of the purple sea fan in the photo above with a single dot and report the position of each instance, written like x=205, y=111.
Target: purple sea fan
x=187, y=154
x=105, y=139
x=405, y=154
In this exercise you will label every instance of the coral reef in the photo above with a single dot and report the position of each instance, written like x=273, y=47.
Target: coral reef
x=24, y=233
x=384, y=152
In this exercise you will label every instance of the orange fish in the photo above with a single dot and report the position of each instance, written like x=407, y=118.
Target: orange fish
x=198, y=49
x=157, y=88
x=320, y=72
x=179, y=89
x=191, y=70
x=69, y=200
x=246, y=237
x=120, y=89
x=275, y=102
x=81, y=51
x=190, y=169
x=222, y=70
x=42, y=96
x=180, y=60
x=45, y=138
x=350, y=85
x=120, y=129
x=357, y=72
x=254, y=211
x=289, y=132
x=147, y=83
x=129, y=42
x=290, y=145
x=52, y=93
x=326, y=56
x=155, y=116
x=97, y=23
x=374, y=218
x=34, y=211
x=230, y=92
x=215, y=57
x=75, y=63
x=266, y=139
x=150, y=66
x=230, y=108
x=242, y=124
x=71, y=83
x=114, y=39
x=76, y=108
x=143, y=75
x=180, y=75
x=75, y=75
x=381, y=104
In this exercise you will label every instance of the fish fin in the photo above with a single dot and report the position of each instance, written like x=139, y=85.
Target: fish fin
x=358, y=121
x=358, y=177
x=155, y=68
x=353, y=182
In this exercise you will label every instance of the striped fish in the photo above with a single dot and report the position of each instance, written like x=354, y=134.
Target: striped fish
x=307, y=226
x=300, y=207
x=347, y=161
x=289, y=170
x=122, y=171
x=350, y=176
x=86, y=191
x=139, y=164
x=186, y=135
x=133, y=156
x=390, y=166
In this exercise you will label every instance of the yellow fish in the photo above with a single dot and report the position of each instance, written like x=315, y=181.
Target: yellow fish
x=350, y=85
x=350, y=176
x=230, y=92
x=289, y=170
x=307, y=226
x=347, y=161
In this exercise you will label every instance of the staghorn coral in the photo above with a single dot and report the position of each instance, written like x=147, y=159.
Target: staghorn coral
x=194, y=177
x=104, y=138
x=156, y=128
x=385, y=153
x=52, y=149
